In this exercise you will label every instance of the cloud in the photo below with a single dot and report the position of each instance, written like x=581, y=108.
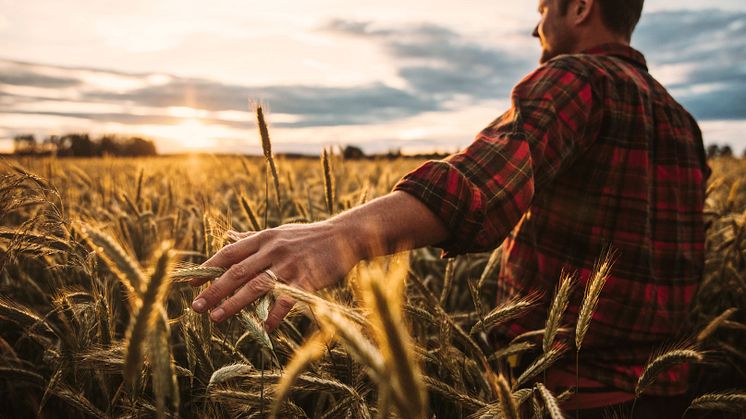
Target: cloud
x=38, y=80
x=439, y=63
x=701, y=56
x=317, y=106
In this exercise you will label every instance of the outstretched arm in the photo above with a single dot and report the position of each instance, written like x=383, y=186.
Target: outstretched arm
x=316, y=255
x=464, y=203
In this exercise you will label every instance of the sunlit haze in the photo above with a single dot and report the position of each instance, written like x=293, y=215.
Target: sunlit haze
x=407, y=75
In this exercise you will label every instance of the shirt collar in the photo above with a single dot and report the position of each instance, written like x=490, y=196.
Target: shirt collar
x=622, y=51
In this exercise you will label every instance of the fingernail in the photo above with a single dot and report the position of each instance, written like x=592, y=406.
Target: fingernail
x=217, y=315
x=199, y=304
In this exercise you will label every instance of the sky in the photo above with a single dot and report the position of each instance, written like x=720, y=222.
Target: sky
x=390, y=74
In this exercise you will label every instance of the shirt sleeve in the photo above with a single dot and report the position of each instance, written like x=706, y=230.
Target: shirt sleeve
x=481, y=193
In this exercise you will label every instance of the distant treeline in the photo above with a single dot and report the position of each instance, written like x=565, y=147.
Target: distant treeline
x=82, y=145
x=715, y=150
x=352, y=152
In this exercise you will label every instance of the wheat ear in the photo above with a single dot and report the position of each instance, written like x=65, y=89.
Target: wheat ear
x=503, y=313
x=165, y=384
x=592, y=293
x=328, y=181
x=489, y=269
x=152, y=298
x=228, y=372
x=312, y=350
x=541, y=364
x=559, y=305
x=396, y=347
x=728, y=402
x=267, y=149
x=662, y=363
x=550, y=402
x=116, y=259
x=505, y=398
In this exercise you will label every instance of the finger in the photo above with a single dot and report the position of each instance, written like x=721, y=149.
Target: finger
x=280, y=309
x=234, y=253
x=195, y=282
x=238, y=235
x=245, y=295
x=233, y=278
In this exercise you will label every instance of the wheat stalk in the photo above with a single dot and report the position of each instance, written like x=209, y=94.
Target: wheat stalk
x=394, y=341
x=505, y=398
x=550, y=402
x=311, y=351
x=328, y=181
x=21, y=315
x=728, y=402
x=453, y=394
x=126, y=270
x=349, y=335
x=592, y=293
x=185, y=272
x=715, y=323
x=503, y=313
x=229, y=372
x=155, y=291
x=557, y=310
x=165, y=384
x=512, y=350
x=447, y=280
x=316, y=301
x=489, y=269
x=267, y=149
x=249, y=212
x=255, y=331
x=662, y=363
x=138, y=194
x=541, y=364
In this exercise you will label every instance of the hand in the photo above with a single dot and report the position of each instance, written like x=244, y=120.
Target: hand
x=306, y=256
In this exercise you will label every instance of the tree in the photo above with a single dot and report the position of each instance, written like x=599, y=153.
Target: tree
x=351, y=152
x=109, y=145
x=140, y=147
x=81, y=145
x=24, y=144
x=726, y=151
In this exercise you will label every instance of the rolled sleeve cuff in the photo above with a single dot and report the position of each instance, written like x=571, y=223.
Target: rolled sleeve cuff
x=451, y=197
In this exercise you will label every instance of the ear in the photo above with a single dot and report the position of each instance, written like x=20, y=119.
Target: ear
x=583, y=10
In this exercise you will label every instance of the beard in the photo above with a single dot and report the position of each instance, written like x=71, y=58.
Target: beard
x=546, y=55
x=560, y=42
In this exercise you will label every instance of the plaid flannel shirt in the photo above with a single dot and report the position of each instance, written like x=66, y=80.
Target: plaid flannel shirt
x=593, y=153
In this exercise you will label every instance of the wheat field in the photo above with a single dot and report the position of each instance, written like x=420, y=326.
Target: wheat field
x=95, y=317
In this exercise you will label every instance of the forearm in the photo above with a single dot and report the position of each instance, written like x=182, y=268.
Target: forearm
x=394, y=222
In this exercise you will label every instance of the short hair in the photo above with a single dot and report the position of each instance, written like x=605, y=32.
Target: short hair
x=620, y=16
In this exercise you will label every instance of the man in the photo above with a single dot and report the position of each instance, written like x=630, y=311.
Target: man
x=593, y=154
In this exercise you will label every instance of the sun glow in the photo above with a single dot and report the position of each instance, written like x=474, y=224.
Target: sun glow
x=194, y=135
x=186, y=112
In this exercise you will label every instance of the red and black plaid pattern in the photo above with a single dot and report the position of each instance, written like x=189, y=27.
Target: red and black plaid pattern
x=593, y=153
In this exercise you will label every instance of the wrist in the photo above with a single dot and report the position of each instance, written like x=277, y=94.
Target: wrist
x=356, y=233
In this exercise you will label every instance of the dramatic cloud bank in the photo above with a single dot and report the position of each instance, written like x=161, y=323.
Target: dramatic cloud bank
x=444, y=86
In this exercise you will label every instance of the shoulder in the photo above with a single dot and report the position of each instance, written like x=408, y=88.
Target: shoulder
x=563, y=73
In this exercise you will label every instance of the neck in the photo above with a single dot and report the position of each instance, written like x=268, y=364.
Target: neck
x=599, y=37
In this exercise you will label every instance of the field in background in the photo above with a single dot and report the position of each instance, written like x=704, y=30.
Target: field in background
x=95, y=318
